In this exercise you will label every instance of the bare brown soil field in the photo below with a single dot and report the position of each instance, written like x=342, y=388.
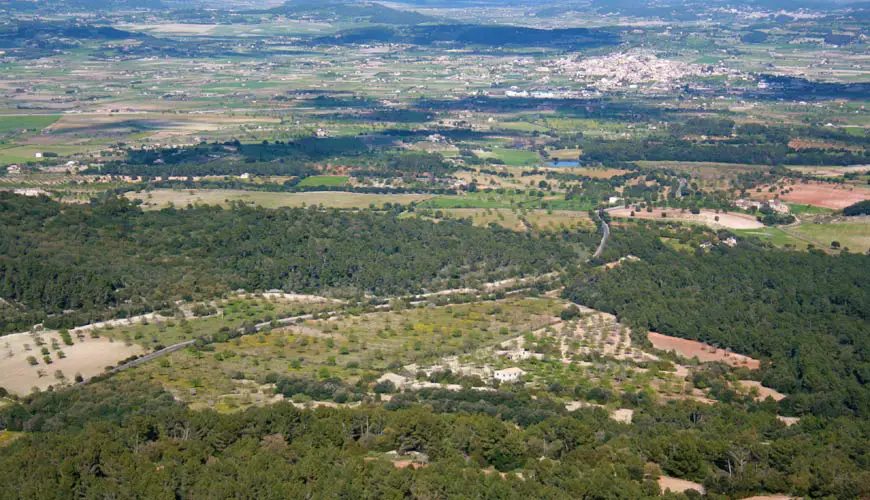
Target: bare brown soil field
x=691, y=348
x=707, y=217
x=597, y=173
x=821, y=195
x=788, y=421
x=679, y=485
x=763, y=392
x=404, y=464
x=88, y=357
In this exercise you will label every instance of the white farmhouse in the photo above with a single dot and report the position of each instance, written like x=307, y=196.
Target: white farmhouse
x=509, y=374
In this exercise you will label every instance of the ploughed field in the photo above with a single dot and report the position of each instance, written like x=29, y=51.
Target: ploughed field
x=705, y=353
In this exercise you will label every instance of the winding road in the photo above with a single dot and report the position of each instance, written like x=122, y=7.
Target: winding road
x=606, y=229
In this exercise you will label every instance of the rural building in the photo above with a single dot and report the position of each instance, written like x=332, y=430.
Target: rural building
x=519, y=354
x=509, y=374
x=29, y=191
x=396, y=379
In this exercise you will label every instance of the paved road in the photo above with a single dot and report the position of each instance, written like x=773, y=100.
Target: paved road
x=603, y=239
x=156, y=354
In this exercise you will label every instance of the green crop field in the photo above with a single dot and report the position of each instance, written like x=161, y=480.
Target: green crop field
x=324, y=180
x=775, y=236
x=852, y=235
x=799, y=209
x=26, y=122
x=513, y=156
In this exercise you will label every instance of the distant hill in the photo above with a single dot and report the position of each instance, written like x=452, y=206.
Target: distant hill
x=80, y=5
x=472, y=34
x=34, y=39
x=657, y=7
x=53, y=33
x=337, y=10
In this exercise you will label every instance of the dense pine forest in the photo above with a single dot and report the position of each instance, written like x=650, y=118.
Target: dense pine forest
x=131, y=439
x=111, y=257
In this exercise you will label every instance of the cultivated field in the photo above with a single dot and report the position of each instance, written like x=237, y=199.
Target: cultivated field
x=832, y=171
x=852, y=235
x=555, y=219
x=517, y=220
x=679, y=485
x=763, y=392
x=822, y=195
x=705, y=353
x=707, y=217
x=486, y=216
x=86, y=357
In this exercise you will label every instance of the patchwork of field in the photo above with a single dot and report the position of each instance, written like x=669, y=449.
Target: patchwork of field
x=162, y=198
x=710, y=175
x=346, y=345
x=707, y=217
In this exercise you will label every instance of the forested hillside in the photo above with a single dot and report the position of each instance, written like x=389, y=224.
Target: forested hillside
x=113, y=257
x=137, y=442
x=808, y=314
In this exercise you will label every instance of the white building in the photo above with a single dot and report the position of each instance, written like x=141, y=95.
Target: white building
x=509, y=374
x=398, y=380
